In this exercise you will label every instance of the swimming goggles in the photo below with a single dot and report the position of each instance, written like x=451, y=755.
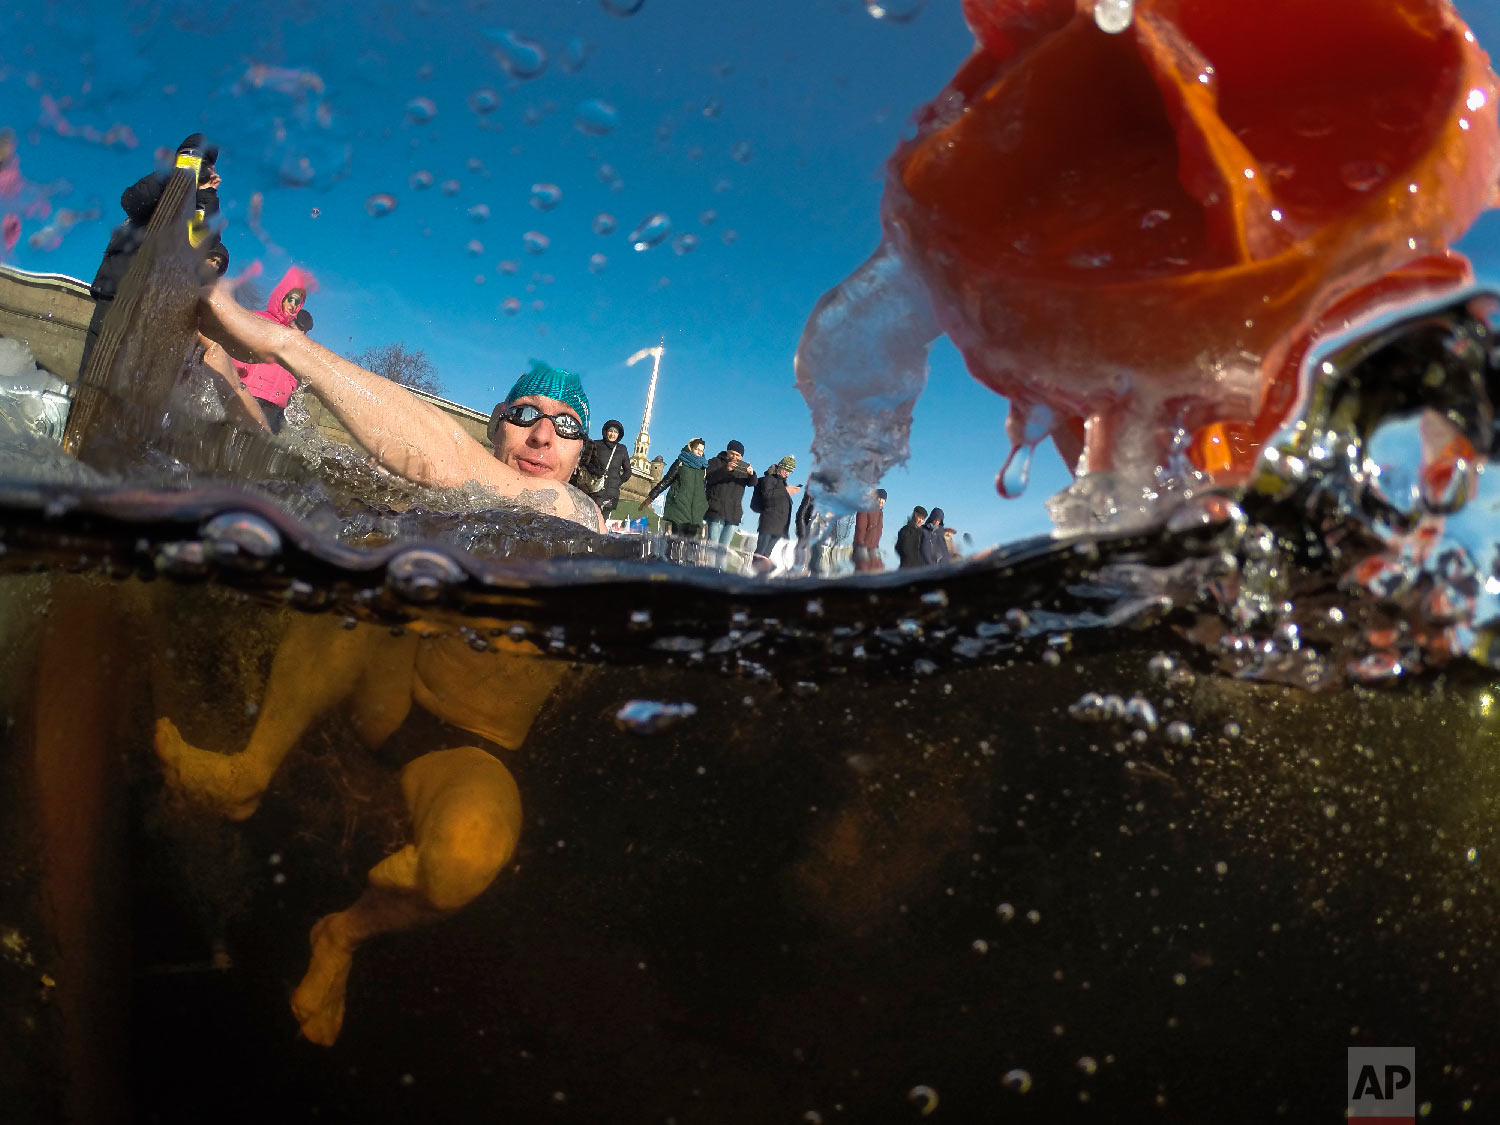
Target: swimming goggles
x=524, y=414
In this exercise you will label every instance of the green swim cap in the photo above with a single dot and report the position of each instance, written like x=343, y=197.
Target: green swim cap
x=552, y=382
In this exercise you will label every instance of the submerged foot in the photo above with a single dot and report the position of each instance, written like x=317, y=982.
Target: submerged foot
x=318, y=1002
x=220, y=780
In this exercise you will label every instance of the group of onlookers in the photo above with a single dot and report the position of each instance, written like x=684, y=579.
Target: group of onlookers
x=924, y=540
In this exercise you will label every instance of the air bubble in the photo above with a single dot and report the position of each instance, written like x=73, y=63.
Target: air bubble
x=1114, y=16
x=1087, y=1064
x=422, y=575
x=535, y=242
x=544, y=197
x=451, y=187
x=479, y=212
x=925, y=1097
x=1179, y=733
x=597, y=262
x=1154, y=218
x=510, y=306
x=381, y=204
x=1018, y=1080
x=242, y=539
x=707, y=218
x=419, y=111
x=742, y=153
x=475, y=247
x=604, y=223
x=420, y=180
x=595, y=117
x=1362, y=175
x=648, y=716
x=508, y=265
x=650, y=231
x=684, y=244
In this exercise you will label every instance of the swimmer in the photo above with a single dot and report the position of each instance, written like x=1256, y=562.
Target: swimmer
x=464, y=806
x=538, y=431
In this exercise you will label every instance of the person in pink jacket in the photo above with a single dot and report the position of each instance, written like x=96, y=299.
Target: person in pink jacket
x=270, y=383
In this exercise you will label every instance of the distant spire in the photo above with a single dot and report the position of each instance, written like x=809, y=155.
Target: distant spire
x=640, y=460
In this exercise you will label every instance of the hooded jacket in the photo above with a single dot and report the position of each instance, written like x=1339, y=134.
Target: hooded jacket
x=139, y=203
x=934, y=548
x=270, y=382
x=687, y=501
x=609, y=459
x=805, y=514
x=726, y=489
x=774, y=503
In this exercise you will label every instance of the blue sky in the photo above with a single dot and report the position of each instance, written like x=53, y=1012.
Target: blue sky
x=776, y=116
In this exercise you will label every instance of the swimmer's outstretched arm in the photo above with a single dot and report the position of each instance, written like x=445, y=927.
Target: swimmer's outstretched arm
x=408, y=436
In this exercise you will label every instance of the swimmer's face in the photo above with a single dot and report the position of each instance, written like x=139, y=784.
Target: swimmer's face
x=536, y=450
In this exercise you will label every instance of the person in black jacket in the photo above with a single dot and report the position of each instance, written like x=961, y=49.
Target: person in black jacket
x=934, y=547
x=909, y=539
x=139, y=203
x=608, y=462
x=773, y=500
x=729, y=474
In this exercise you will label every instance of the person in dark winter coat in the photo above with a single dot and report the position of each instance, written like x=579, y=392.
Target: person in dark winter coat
x=687, y=499
x=139, y=203
x=773, y=500
x=607, y=462
x=806, y=511
x=909, y=539
x=868, y=527
x=934, y=548
x=729, y=474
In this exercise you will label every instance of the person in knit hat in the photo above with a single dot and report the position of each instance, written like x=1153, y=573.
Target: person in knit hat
x=537, y=432
x=729, y=474
x=773, y=500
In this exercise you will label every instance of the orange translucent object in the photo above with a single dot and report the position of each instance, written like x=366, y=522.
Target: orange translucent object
x=1145, y=231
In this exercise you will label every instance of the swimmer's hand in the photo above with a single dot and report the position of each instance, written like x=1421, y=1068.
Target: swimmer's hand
x=240, y=332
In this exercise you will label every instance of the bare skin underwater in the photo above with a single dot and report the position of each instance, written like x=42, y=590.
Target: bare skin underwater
x=464, y=805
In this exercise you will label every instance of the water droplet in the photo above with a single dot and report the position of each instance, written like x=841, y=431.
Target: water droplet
x=685, y=243
x=597, y=262
x=422, y=574
x=420, y=180
x=510, y=306
x=518, y=56
x=1179, y=733
x=980, y=946
x=1085, y=261
x=479, y=212
x=1154, y=218
x=1179, y=979
x=315, y=212
x=509, y=265
x=649, y=716
x=595, y=117
x=742, y=153
x=1231, y=729
x=1376, y=667
x=1221, y=868
x=475, y=247
x=708, y=218
x=1472, y=854
x=1362, y=175
x=535, y=242
x=451, y=187
x=381, y=204
x=1140, y=712
x=1114, y=16
x=419, y=111
x=1088, y=1064
x=544, y=197
x=1311, y=123
x=1018, y=1080
x=484, y=100
x=1015, y=474
x=925, y=1097
x=650, y=231
x=729, y=237
x=622, y=8
x=604, y=223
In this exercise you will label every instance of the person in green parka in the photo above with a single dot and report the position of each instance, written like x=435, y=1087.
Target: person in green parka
x=687, y=498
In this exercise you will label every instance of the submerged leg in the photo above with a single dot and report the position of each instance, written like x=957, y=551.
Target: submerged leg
x=319, y=664
x=466, y=820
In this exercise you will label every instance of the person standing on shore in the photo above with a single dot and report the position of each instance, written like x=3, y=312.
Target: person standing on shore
x=729, y=474
x=909, y=539
x=868, y=527
x=773, y=500
x=604, y=468
x=687, y=499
